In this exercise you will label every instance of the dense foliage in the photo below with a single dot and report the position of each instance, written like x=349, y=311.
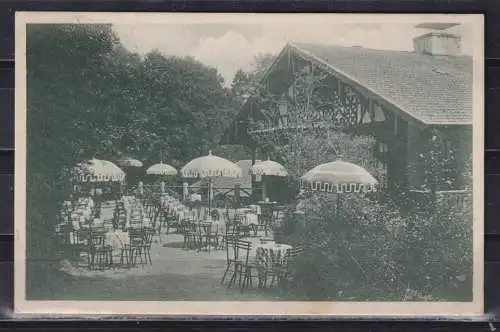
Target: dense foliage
x=90, y=97
x=369, y=250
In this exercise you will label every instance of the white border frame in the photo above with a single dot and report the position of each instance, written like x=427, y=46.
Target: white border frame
x=184, y=308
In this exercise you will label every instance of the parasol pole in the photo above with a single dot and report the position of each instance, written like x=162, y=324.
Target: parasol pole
x=209, y=195
x=264, y=188
x=338, y=204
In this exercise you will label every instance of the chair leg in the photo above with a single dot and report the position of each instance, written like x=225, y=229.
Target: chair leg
x=241, y=275
x=225, y=273
x=234, y=276
x=249, y=276
x=89, y=261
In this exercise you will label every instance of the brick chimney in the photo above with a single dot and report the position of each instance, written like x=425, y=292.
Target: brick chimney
x=438, y=41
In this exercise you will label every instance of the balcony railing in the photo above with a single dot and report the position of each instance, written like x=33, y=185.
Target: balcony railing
x=453, y=199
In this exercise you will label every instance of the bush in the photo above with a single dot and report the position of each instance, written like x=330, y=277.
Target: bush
x=369, y=250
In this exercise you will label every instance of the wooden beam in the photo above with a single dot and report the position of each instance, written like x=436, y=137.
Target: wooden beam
x=357, y=86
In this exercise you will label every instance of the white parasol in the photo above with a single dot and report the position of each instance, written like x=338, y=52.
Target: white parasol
x=161, y=169
x=208, y=167
x=96, y=170
x=129, y=162
x=339, y=177
x=268, y=168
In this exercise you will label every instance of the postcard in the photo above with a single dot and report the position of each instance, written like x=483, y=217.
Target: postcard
x=235, y=165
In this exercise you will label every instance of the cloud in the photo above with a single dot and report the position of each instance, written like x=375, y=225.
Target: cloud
x=228, y=47
x=232, y=51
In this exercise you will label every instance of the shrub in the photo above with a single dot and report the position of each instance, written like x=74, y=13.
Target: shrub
x=367, y=250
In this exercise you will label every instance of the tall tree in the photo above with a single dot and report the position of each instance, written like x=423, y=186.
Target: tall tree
x=88, y=96
x=244, y=84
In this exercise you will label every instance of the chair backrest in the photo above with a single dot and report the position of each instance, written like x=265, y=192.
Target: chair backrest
x=81, y=236
x=231, y=249
x=148, y=236
x=215, y=215
x=293, y=254
x=231, y=230
x=107, y=210
x=187, y=226
x=205, y=228
x=96, y=238
x=136, y=236
x=243, y=250
x=120, y=215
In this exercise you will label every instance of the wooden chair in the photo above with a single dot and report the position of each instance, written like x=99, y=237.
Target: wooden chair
x=208, y=236
x=188, y=231
x=148, y=234
x=231, y=232
x=134, y=249
x=233, y=261
x=247, y=267
x=102, y=253
x=78, y=244
x=285, y=273
x=120, y=216
x=168, y=221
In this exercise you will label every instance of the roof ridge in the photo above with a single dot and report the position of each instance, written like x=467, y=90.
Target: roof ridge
x=297, y=44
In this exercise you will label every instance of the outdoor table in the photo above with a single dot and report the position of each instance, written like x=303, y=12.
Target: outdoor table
x=218, y=226
x=117, y=240
x=255, y=209
x=270, y=254
x=249, y=218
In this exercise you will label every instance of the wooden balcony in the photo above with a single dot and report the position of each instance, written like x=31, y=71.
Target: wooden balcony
x=453, y=199
x=267, y=129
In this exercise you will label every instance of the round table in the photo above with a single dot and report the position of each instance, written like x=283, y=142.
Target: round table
x=270, y=254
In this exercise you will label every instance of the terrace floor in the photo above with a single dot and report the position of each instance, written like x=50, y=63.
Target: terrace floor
x=175, y=275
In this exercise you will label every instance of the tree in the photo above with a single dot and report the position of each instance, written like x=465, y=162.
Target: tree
x=88, y=97
x=244, y=84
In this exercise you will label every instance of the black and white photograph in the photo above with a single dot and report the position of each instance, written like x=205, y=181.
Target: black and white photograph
x=249, y=164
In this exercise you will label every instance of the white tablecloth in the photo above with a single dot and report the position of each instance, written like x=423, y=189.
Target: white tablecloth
x=117, y=239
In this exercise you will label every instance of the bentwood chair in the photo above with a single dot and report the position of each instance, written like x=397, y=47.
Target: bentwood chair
x=233, y=261
x=101, y=253
x=148, y=234
x=207, y=236
x=168, y=221
x=230, y=232
x=247, y=267
x=134, y=249
x=120, y=218
x=79, y=244
x=188, y=231
x=284, y=273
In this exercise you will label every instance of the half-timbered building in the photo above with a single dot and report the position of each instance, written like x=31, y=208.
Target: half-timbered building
x=409, y=101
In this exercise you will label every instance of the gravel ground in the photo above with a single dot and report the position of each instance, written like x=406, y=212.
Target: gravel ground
x=175, y=275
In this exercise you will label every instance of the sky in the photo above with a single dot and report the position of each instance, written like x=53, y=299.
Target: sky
x=228, y=47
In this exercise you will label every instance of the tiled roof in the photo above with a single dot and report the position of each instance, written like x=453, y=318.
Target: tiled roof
x=432, y=89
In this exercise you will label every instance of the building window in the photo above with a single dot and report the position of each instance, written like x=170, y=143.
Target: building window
x=382, y=156
x=378, y=113
x=382, y=147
